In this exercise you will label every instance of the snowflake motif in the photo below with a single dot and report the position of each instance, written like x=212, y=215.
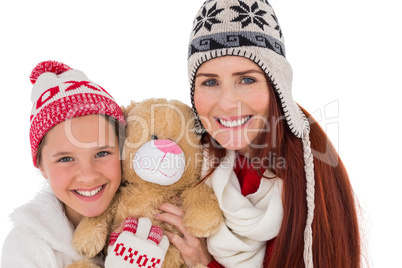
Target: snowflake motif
x=278, y=28
x=207, y=18
x=249, y=15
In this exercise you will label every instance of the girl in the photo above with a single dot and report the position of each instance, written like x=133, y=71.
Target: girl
x=75, y=134
x=283, y=189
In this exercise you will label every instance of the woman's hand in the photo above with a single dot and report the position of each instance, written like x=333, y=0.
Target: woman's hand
x=193, y=250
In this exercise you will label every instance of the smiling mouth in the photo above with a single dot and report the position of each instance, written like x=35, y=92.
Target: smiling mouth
x=234, y=123
x=89, y=193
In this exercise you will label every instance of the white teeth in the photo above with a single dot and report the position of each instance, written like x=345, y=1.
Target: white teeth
x=234, y=123
x=89, y=193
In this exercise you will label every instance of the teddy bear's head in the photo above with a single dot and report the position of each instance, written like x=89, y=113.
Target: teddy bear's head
x=161, y=148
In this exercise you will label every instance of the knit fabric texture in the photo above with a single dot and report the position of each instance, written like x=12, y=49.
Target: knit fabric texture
x=139, y=245
x=250, y=29
x=60, y=93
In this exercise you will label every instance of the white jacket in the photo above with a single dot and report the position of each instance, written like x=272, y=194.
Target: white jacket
x=41, y=236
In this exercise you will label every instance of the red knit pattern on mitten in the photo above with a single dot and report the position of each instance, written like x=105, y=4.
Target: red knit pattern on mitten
x=130, y=225
x=155, y=234
x=113, y=238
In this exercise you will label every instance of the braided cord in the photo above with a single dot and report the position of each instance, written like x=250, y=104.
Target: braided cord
x=309, y=170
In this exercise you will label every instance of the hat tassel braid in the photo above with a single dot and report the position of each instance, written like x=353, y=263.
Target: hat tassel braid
x=310, y=183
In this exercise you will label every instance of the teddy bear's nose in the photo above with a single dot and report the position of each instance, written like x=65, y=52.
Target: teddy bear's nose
x=168, y=146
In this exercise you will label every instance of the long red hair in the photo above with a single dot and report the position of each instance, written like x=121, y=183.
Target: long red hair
x=336, y=239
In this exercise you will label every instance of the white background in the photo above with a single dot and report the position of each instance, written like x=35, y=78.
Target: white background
x=346, y=56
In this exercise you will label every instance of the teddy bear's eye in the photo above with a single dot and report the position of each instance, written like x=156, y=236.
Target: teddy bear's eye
x=154, y=137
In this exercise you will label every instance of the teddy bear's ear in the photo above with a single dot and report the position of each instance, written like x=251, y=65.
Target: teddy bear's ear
x=126, y=110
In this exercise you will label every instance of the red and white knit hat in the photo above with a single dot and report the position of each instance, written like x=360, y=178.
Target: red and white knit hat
x=60, y=93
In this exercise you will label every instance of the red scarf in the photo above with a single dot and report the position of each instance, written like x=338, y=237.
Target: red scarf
x=249, y=178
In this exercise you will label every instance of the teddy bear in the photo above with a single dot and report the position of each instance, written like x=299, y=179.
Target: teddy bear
x=161, y=161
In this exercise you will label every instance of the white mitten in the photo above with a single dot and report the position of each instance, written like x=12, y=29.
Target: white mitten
x=139, y=245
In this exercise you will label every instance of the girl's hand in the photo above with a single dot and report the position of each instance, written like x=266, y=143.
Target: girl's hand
x=193, y=250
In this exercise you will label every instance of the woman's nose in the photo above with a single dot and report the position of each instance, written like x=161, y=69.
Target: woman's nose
x=228, y=99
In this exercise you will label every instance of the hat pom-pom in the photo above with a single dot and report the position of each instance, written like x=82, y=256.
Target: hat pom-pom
x=48, y=67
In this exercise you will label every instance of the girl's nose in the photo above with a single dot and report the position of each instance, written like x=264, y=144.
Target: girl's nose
x=87, y=172
x=168, y=146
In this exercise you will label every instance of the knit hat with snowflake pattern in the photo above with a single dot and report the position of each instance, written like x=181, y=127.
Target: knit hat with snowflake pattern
x=60, y=93
x=250, y=29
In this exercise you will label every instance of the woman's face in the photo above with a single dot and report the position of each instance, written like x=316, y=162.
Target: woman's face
x=80, y=158
x=231, y=97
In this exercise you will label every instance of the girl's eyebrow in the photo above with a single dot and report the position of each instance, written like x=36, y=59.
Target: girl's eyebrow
x=60, y=154
x=107, y=147
x=100, y=148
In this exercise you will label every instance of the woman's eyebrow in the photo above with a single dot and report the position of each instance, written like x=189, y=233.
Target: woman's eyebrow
x=234, y=74
x=206, y=75
x=248, y=72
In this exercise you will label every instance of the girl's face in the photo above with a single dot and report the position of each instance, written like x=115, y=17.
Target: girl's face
x=80, y=158
x=231, y=97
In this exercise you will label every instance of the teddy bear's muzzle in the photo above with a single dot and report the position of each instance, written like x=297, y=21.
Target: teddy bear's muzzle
x=159, y=161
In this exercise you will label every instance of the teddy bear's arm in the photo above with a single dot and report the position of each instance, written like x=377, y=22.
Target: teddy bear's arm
x=203, y=215
x=91, y=234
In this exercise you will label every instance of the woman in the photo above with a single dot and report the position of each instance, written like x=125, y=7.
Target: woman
x=284, y=191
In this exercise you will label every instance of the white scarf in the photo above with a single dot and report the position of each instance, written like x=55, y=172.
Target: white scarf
x=250, y=221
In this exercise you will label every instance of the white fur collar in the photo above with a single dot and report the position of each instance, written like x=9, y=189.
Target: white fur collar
x=44, y=217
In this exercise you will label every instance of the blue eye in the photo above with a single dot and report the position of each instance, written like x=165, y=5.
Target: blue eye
x=210, y=83
x=65, y=159
x=102, y=154
x=248, y=80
